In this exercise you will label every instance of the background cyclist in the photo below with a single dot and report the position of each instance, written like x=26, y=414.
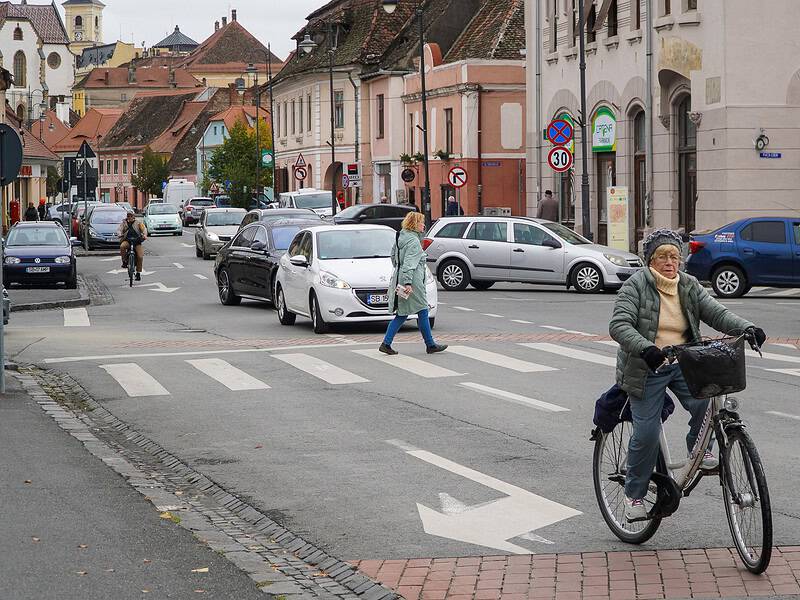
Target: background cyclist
x=133, y=232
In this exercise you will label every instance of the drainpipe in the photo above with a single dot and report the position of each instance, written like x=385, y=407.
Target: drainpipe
x=648, y=113
x=480, y=154
x=357, y=96
x=539, y=125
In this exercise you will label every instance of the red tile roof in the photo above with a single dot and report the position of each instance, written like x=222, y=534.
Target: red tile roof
x=236, y=114
x=43, y=130
x=32, y=148
x=145, y=77
x=230, y=48
x=96, y=122
x=496, y=32
x=44, y=17
x=173, y=134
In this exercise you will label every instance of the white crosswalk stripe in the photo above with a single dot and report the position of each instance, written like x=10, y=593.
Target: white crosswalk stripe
x=599, y=359
x=511, y=397
x=785, y=293
x=225, y=373
x=610, y=343
x=320, y=369
x=499, y=360
x=413, y=365
x=76, y=317
x=772, y=356
x=135, y=380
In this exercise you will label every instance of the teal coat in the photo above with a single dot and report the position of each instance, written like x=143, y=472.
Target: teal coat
x=634, y=324
x=408, y=254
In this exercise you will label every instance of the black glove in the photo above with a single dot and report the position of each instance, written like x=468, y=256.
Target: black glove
x=654, y=357
x=757, y=334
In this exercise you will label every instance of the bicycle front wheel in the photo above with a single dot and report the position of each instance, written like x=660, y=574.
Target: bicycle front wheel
x=746, y=499
x=609, y=466
x=131, y=270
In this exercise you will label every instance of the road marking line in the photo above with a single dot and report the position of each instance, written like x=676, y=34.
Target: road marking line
x=494, y=316
x=522, y=321
x=320, y=369
x=784, y=293
x=773, y=356
x=786, y=415
x=796, y=304
x=200, y=276
x=135, y=380
x=568, y=330
x=185, y=245
x=76, y=317
x=511, y=397
x=499, y=360
x=793, y=372
x=178, y=265
x=611, y=343
x=599, y=359
x=413, y=365
x=463, y=308
x=110, y=259
x=225, y=373
x=789, y=346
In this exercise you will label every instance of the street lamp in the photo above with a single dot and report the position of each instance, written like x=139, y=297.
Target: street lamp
x=587, y=222
x=42, y=106
x=390, y=6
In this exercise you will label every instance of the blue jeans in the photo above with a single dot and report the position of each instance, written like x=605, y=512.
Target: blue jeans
x=423, y=320
x=644, y=444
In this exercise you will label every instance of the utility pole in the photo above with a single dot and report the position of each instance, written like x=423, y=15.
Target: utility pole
x=426, y=194
x=331, y=52
x=272, y=124
x=585, y=212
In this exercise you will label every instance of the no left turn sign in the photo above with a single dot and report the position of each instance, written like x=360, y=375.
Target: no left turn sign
x=560, y=159
x=457, y=177
x=300, y=173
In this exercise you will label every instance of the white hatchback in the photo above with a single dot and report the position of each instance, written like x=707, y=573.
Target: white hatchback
x=340, y=274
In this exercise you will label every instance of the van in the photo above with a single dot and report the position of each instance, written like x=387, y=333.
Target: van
x=317, y=200
x=179, y=191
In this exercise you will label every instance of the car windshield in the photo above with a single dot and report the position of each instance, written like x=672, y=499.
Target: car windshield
x=566, y=234
x=283, y=236
x=223, y=201
x=199, y=202
x=313, y=200
x=355, y=244
x=162, y=209
x=222, y=219
x=108, y=217
x=349, y=212
x=37, y=236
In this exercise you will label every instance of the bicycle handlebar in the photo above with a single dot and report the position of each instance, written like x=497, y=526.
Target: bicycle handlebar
x=672, y=351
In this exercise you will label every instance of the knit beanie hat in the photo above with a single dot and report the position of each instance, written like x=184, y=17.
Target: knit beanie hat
x=658, y=238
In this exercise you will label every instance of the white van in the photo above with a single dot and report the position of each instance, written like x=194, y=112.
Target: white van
x=317, y=200
x=178, y=191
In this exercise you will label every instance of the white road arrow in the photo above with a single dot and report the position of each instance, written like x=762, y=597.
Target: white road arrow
x=160, y=287
x=493, y=523
x=118, y=271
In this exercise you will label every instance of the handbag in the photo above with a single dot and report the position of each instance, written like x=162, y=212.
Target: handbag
x=714, y=367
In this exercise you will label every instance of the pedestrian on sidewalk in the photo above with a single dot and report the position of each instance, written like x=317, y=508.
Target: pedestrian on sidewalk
x=453, y=209
x=31, y=214
x=42, y=209
x=407, y=293
x=548, y=208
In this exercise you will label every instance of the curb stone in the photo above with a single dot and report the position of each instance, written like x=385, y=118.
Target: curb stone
x=270, y=554
x=84, y=300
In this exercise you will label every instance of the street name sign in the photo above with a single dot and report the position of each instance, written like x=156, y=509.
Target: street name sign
x=457, y=177
x=560, y=159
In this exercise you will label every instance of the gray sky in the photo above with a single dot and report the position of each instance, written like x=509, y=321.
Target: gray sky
x=273, y=21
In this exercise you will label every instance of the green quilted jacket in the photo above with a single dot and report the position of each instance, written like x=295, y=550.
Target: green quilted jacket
x=634, y=323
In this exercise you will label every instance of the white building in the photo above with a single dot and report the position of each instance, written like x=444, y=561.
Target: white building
x=34, y=46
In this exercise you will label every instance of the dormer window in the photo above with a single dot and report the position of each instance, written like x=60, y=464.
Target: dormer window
x=18, y=34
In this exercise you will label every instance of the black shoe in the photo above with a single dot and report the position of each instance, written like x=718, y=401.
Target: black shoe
x=387, y=350
x=138, y=276
x=436, y=348
x=124, y=267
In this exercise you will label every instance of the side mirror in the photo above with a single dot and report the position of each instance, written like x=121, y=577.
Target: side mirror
x=74, y=241
x=362, y=216
x=299, y=261
x=551, y=243
x=258, y=246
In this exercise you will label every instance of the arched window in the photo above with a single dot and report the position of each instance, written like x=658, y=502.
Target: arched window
x=21, y=112
x=97, y=21
x=18, y=34
x=79, y=21
x=687, y=165
x=20, y=69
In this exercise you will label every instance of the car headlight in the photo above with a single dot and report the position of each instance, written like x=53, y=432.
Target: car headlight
x=63, y=260
x=12, y=260
x=330, y=280
x=212, y=236
x=616, y=260
x=429, y=277
x=93, y=232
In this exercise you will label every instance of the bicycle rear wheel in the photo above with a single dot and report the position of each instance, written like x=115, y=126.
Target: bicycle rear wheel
x=609, y=466
x=131, y=267
x=747, y=503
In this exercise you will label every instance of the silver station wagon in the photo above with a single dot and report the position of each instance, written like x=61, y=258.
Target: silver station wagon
x=480, y=251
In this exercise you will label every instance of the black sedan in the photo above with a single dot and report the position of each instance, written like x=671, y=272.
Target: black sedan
x=391, y=215
x=246, y=267
x=39, y=253
x=266, y=215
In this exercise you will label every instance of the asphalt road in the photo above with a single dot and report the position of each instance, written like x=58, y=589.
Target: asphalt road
x=352, y=451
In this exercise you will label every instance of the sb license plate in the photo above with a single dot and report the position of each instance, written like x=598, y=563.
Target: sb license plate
x=38, y=269
x=378, y=299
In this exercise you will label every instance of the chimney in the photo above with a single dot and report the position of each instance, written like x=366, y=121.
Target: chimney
x=224, y=21
x=105, y=77
x=216, y=25
x=131, y=73
x=233, y=15
x=233, y=94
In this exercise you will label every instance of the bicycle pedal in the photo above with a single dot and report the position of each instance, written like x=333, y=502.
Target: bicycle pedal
x=640, y=519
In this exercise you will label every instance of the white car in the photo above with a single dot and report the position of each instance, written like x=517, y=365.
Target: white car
x=320, y=201
x=340, y=274
x=162, y=218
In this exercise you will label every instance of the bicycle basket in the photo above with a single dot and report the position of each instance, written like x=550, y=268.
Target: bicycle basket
x=714, y=367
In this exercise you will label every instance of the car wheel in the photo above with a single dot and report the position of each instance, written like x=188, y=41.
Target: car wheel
x=204, y=254
x=225, y=288
x=482, y=285
x=285, y=316
x=197, y=251
x=320, y=326
x=454, y=275
x=72, y=281
x=587, y=279
x=729, y=282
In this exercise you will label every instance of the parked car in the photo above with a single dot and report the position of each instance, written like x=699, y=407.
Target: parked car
x=276, y=214
x=755, y=251
x=77, y=217
x=60, y=213
x=480, y=251
x=246, y=268
x=340, y=274
x=162, y=218
x=391, y=215
x=317, y=200
x=6, y=306
x=193, y=208
x=126, y=205
x=102, y=226
x=217, y=227
x=39, y=253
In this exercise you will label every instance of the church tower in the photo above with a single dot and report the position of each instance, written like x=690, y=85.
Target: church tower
x=84, y=21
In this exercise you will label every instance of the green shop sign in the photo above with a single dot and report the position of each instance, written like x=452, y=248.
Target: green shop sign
x=604, y=131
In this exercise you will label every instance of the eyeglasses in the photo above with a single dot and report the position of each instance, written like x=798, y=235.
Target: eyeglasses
x=668, y=258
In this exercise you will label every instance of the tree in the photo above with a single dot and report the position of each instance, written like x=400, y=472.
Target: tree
x=153, y=171
x=53, y=182
x=235, y=161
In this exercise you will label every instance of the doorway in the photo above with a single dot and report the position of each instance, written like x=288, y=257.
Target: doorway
x=606, y=178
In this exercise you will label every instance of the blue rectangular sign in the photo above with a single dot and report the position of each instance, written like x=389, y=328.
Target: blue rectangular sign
x=770, y=155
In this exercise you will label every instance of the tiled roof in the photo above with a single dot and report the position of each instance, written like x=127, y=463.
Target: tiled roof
x=172, y=135
x=32, y=148
x=245, y=114
x=96, y=55
x=146, y=117
x=146, y=77
x=184, y=155
x=176, y=39
x=44, y=18
x=96, y=122
x=232, y=46
x=496, y=32
x=51, y=130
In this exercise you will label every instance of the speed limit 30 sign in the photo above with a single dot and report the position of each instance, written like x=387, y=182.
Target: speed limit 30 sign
x=560, y=159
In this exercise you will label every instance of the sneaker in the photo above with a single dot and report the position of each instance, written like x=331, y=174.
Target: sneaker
x=387, y=350
x=634, y=509
x=436, y=348
x=709, y=461
x=138, y=276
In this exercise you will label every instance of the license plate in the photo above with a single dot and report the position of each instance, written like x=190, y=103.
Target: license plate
x=378, y=299
x=38, y=269
x=163, y=226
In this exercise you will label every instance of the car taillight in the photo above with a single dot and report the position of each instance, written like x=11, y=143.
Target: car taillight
x=426, y=243
x=695, y=246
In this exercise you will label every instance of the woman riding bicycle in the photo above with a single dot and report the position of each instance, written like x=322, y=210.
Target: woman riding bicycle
x=661, y=306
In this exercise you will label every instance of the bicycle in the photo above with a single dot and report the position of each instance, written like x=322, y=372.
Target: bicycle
x=131, y=263
x=741, y=474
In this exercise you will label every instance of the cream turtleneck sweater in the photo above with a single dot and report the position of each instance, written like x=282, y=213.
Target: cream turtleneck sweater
x=672, y=324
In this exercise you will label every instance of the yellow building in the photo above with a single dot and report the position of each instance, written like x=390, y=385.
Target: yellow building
x=84, y=21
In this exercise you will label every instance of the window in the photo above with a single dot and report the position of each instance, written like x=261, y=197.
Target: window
x=124, y=166
x=667, y=7
x=529, y=235
x=636, y=17
x=54, y=60
x=116, y=167
x=294, y=117
x=554, y=27
x=307, y=247
x=411, y=133
x=639, y=172
x=338, y=109
x=260, y=236
x=101, y=167
x=294, y=247
x=381, y=116
x=308, y=109
x=797, y=233
x=766, y=232
x=574, y=23
x=135, y=165
x=108, y=167
x=448, y=130
x=591, y=34
x=18, y=34
x=245, y=238
x=691, y=4
x=452, y=230
x=97, y=21
x=285, y=118
x=300, y=113
x=78, y=21
x=489, y=232
x=20, y=69
x=123, y=97
x=612, y=21
x=687, y=165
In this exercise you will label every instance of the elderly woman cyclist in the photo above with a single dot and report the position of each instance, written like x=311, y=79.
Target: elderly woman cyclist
x=661, y=306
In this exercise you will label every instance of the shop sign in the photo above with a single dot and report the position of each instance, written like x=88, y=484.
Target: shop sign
x=26, y=171
x=618, y=218
x=604, y=131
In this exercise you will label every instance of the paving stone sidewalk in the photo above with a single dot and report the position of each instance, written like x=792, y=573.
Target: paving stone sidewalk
x=24, y=299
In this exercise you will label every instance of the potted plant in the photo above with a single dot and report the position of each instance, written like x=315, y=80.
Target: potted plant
x=442, y=155
x=419, y=157
x=406, y=159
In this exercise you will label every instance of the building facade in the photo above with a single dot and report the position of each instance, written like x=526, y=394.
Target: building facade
x=84, y=20
x=710, y=100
